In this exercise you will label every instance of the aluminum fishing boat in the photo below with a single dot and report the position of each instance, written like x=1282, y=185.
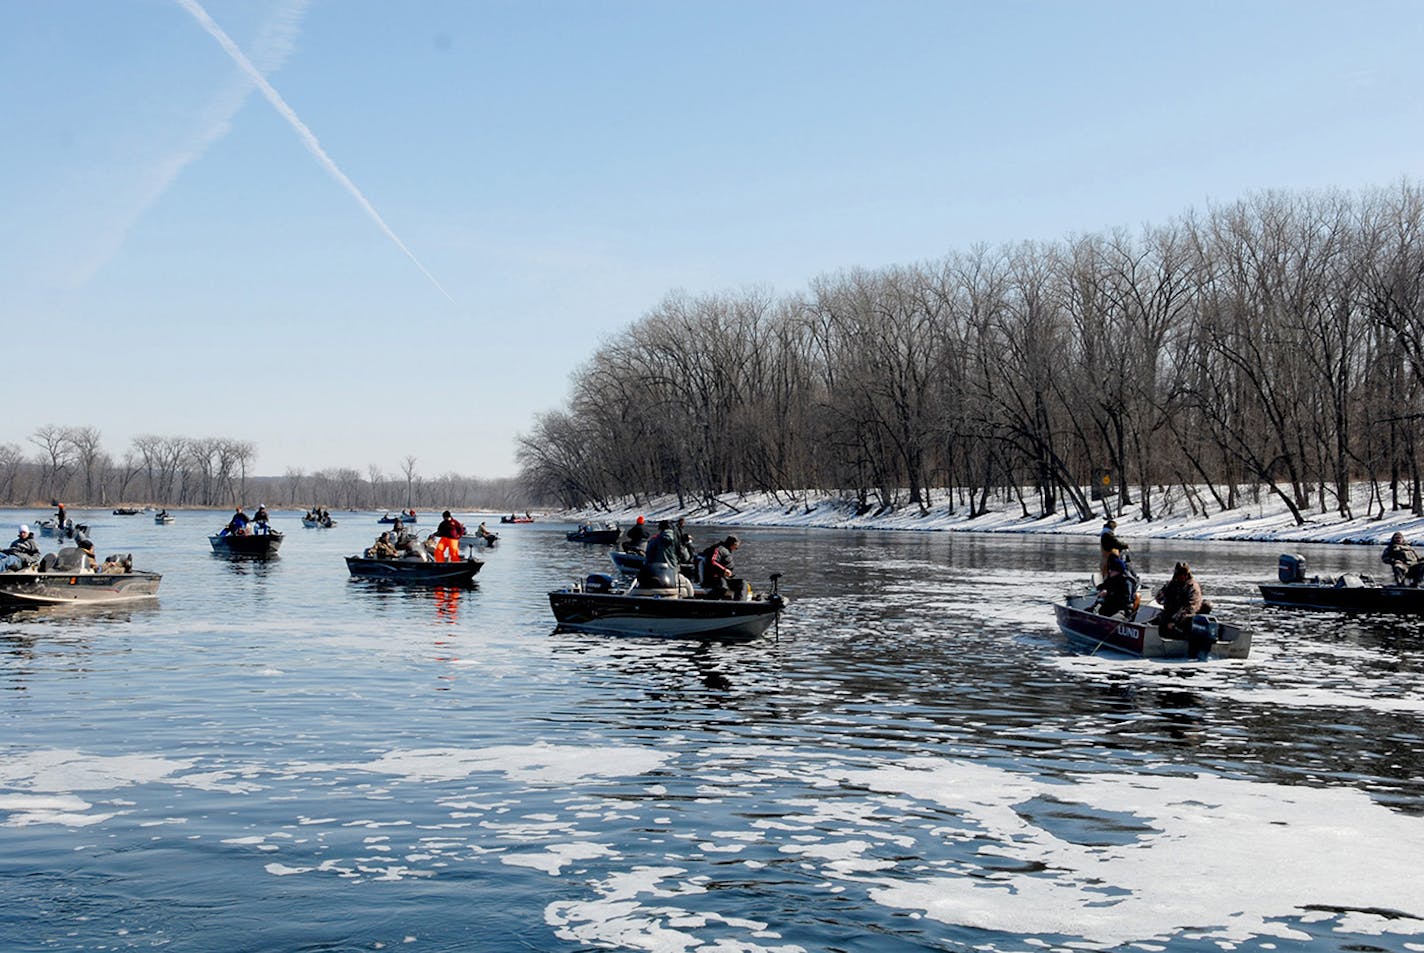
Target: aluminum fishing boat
x=1137, y=633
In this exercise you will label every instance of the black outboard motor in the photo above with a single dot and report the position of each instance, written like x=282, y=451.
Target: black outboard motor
x=1291, y=568
x=598, y=582
x=657, y=576
x=1204, y=634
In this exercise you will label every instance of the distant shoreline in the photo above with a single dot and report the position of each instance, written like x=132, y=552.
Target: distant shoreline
x=1254, y=523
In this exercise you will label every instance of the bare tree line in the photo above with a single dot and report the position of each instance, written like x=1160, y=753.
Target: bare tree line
x=70, y=464
x=1274, y=345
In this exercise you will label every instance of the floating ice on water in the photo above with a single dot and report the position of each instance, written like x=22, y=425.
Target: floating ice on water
x=1229, y=858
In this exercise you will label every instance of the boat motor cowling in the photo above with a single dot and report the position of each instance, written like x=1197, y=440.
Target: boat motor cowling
x=1205, y=629
x=1291, y=568
x=598, y=582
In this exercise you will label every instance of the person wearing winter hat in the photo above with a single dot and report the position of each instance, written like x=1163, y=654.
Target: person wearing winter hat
x=24, y=551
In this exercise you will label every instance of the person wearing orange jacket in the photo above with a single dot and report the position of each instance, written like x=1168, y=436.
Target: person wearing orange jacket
x=447, y=539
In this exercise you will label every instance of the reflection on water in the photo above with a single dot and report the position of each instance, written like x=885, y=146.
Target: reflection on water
x=918, y=762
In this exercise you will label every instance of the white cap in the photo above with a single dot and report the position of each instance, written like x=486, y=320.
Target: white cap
x=24, y=529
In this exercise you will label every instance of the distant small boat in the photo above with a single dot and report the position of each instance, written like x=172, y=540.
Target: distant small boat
x=69, y=530
x=62, y=588
x=595, y=534
x=403, y=517
x=318, y=524
x=253, y=544
x=1349, y=592
x=163, y=518
x=629, y=564
x=516, y=519
x=127, y=511
x=408, y=572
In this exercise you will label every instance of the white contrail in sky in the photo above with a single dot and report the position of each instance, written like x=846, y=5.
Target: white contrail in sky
x=314, y=147
x=270, y=51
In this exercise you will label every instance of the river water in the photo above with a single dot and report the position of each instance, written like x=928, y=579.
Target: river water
x=275, y=757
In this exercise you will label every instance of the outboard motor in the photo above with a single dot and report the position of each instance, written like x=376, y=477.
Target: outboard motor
x=598, y=582
x=658, y=576
x=1291, y=568
x=1204, y=634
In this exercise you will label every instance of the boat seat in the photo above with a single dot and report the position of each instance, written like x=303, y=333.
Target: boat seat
x=69, y=559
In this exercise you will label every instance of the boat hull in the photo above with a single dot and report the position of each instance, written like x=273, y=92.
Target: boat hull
x=410, y=573
x=664, y=617
x=1398, y=600
x=629, y=564
x=604, y=536
x=403, y=520
x=317, y=524
x=259, y=544
x=56, y=588
x=1139, y=636
x=520, y=519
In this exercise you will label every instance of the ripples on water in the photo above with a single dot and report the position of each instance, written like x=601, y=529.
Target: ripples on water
x=275, y=757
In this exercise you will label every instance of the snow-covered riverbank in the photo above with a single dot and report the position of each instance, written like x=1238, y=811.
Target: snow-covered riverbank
x=1267, y=521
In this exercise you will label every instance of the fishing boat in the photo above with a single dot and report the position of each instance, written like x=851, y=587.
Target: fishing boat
x=407, y=517
x=605, y=534
x=127, y=511
x=409, y=572
x=516, y=519
x=1138, y=634
x=1348, y=592
x=597, y=606
x=163, y=518
x=70, y=529
x=627, y=563
x=327, y=523
x=89, y=588
x=260, y=545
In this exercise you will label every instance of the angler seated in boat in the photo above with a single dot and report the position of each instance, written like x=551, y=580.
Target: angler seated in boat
x=240, y=525
x=23, y=553
x=1407, y=565
x=1181, y=599
x=405, y=547
x=1117, y=593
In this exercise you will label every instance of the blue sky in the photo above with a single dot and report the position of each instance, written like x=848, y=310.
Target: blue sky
x=175, y=260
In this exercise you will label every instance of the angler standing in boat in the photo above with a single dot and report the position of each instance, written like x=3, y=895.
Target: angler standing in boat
x=637, y=537
x=717, y=568
x=447, y=539
x=1111, y=546
x=1401, y=557
x=685, y=553
x=23, y=552
x=661, y=564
